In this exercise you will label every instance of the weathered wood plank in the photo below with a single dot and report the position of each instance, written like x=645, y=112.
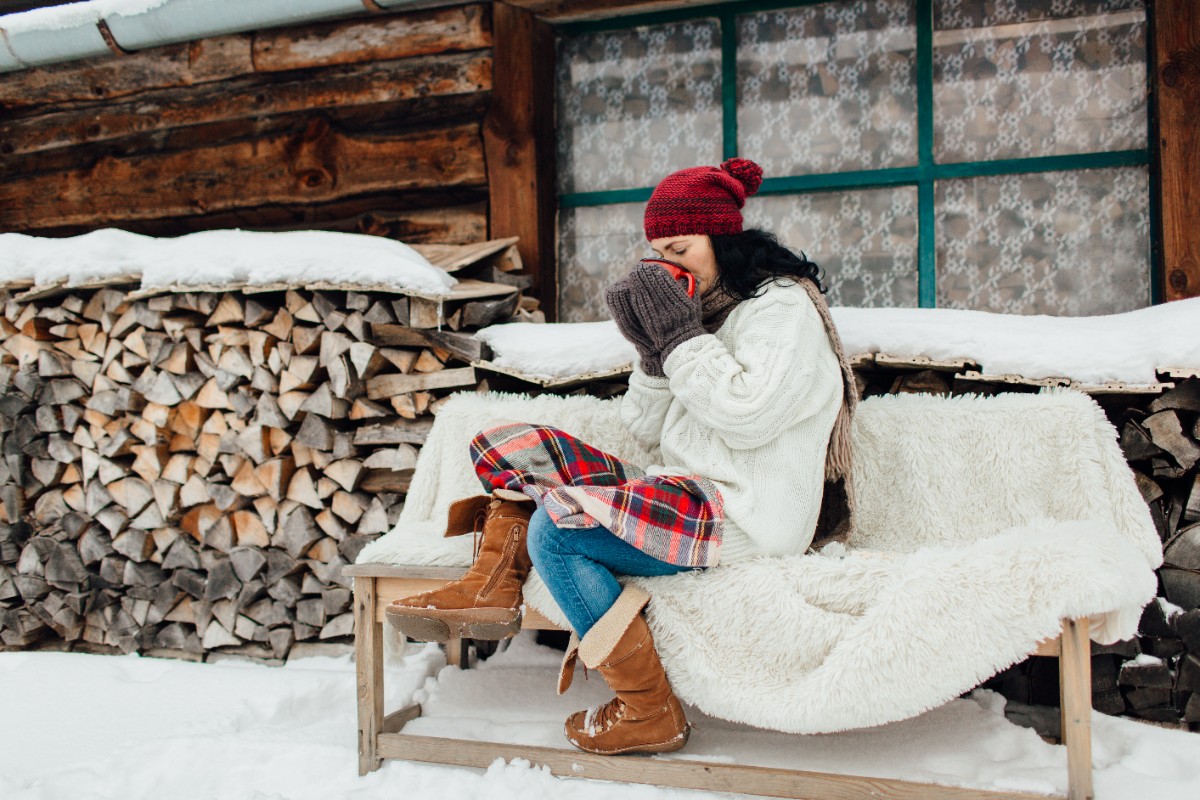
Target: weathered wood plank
x=463, y=345
x=107, y=78
x=385, y=386
x=376, y=39
x=517, y=132
x=1075, y=700
x=1177, y=42
x=571, y=10
x=390, y=82
x=368, y=658
x=318, y=165
x=687, y=774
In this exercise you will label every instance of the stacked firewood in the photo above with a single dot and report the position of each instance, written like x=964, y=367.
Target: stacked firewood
x=189, y=471
x=1162, y=443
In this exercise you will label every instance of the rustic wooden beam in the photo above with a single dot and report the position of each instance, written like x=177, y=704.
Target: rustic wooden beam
x=383, y=83
x=575, y=10
x=518, y=135
x=319, y=165
x=380, y=38
x=1177, y=45
x=712, y=776
x=219, y=58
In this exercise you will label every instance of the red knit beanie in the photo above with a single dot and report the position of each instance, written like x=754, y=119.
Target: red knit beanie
x=702, y=200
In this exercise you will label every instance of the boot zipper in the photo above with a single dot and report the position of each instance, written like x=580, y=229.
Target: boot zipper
x=510, y=546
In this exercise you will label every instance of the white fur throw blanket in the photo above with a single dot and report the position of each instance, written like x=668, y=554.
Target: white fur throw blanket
x=983, y=521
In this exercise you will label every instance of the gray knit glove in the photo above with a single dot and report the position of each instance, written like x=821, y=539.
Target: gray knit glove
x=620, y=303
x=668, y=316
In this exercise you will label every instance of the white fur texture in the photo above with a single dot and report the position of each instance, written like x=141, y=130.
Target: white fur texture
x=983, y=521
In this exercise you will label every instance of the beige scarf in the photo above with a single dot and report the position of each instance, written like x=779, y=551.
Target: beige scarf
x=836, y=521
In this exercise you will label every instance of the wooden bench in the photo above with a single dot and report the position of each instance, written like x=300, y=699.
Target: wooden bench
x=380, y=734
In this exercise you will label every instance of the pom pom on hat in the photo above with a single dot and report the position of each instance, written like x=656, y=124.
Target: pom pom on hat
x=702, y=200
x=746, y=171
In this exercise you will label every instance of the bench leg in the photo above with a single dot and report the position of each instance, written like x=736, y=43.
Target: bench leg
x=1075, y=698
x=458, y=653
x=368, y=662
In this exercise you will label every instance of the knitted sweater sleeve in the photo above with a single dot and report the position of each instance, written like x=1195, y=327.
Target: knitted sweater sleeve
x=765, y=384
x=644, y=407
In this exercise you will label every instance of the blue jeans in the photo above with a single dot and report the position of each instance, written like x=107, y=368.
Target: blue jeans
x=578, y=566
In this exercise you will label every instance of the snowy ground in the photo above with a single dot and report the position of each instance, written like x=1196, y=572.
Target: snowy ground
x=81, y=726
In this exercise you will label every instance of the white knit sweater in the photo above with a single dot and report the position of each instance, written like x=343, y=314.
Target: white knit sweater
x=750, y=408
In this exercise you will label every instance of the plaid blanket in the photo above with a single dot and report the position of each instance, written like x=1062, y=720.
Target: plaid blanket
x=677, y=519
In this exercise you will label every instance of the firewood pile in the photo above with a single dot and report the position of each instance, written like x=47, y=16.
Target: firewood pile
x=188, y=471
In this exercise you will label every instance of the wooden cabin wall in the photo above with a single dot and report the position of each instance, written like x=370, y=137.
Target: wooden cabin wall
x=372, y=125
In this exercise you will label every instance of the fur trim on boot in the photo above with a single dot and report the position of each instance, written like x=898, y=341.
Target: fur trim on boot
x=645, y=716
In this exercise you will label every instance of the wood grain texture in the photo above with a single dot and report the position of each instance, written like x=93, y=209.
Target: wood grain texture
x=218, y=58
x=368, y=660
x=318, y=165
x=574, y=10
x=518, y=135
x=1177, y=43
x=1075, y=700
x=381, y=83
x=379, y=38
x=667, y=771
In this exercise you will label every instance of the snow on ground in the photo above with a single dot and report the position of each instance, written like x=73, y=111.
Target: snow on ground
x=220, y=257
x=80, y=726
x=1118, y=347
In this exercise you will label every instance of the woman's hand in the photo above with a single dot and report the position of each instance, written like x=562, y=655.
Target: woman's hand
x=620, y=303
x=661, y=303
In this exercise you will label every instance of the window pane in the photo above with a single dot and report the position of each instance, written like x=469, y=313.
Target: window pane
x=828, y=88
x=637, y=104
x=866, y=241
x=1061, y=243
x=597, y=245
x=1014, y=79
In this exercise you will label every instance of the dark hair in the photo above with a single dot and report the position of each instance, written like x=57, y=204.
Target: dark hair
x=748, y=261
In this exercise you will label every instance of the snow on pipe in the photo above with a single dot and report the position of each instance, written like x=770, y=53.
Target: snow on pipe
x=100, y=27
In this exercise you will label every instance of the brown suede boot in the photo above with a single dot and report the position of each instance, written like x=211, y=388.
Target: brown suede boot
x=645, y=716
x=486, y=602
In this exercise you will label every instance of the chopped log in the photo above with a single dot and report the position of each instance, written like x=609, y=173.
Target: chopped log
x=1167, y=434
x=366, y=409
x=316, y=432
x=328, y=522
x=411, y=406
x=464, y=346
x=290, y=402
x=385, y=386
x=275, y=475
x=249, y=530
x=397, y=458
x=324, y=403
x=302, y=489
x=396, y=431
x=300, y=532
x=384, y=480
x=374, y=520
x=345, y=473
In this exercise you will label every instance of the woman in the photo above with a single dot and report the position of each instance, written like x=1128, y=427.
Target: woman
x=742, y=387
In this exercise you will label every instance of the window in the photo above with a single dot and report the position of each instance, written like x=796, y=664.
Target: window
x=984, y=154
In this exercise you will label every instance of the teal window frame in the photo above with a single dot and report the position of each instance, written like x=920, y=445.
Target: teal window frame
x=923, y=176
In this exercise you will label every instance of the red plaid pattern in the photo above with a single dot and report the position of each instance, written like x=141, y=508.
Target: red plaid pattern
x=676, y=519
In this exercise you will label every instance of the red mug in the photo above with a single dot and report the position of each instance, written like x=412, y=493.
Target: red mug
x=676, y=271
